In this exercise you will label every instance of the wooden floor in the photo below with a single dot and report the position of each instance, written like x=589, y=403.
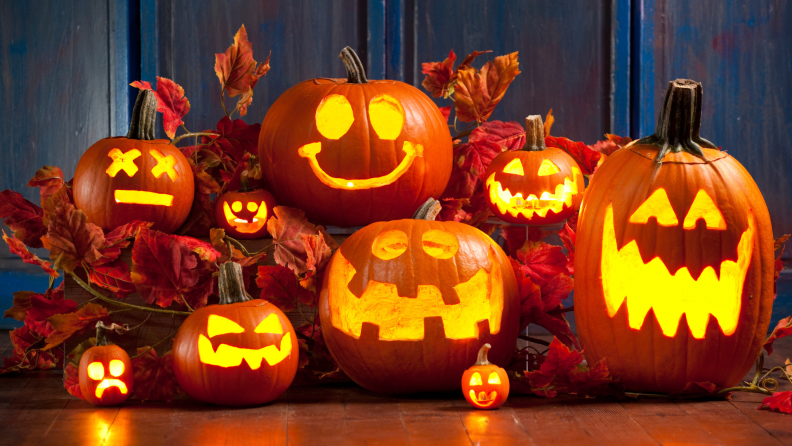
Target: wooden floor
x=35, y=409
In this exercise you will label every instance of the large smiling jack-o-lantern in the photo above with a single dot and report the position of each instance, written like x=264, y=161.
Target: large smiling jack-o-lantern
x=674, y=260
x=406, y=304
x=238, y=353
x=135, y=177
x=535, y=185
x=353, y=151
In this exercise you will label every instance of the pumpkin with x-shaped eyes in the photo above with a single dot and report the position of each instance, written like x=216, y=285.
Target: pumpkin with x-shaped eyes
x=353, y=151
x=135, y=177
x=536, y=185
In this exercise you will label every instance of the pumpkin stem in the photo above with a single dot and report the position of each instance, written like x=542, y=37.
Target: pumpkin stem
x=428, y=210
x=144, y=116
x=679, y=121
x=231, y=284
x=356, y=74
x=482, y=355
x=101, y=337
x=534, y=134
x=244, y=181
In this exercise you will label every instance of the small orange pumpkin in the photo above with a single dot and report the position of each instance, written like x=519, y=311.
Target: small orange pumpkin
x=244, y=213
x=485, y=385
x=105, y=372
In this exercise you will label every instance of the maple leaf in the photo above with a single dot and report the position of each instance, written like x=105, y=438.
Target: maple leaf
x=20, y=305
x=780, y=401
x=170, y=102
x=71, y=381
x=114, y=276
x=445, y=111
x=471, y=161
x=66, y=325
x=24, y=355
x=779, y=263
x=22, y=217
x=569, y=238
x=548, y=122
x=201, y=218
x=587, y=159
x=318, y=256
x=236, y=68
x=234, y=138
x=476, y=93
x=452, y=209
x=438, y=75
x=605, y=147
x=164, y=269
x=542, y=261
x=244, y=102
x=70, y=238
x=562, y=371
x=44, y=306
x=204, y=183
x=17, y=247
x=696, y=387
x=279, y=286
x=205, y=250
x=154, y=379
x=620, y=141
x=781, y=330
x=508, y=135
x=118, y=239
x=49, y=179
x=287, y=227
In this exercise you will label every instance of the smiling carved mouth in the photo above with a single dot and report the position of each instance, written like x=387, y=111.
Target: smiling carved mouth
x=246, y=227
x=311, y=150
x=483, y=399
x=645, y=286
x=230, y=356
x=516, y=204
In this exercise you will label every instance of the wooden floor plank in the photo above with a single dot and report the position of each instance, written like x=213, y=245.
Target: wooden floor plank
x=549, y=421
x=609, y=423
x=777, y=424
x=492, y=427
x=726, y=423
x=665, y=422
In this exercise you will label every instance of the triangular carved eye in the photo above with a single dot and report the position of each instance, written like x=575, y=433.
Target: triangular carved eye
x=475, y=380
x=547, y=168
x=334, y=116
x=270, y=324
x=658, y=206
x=218, y=325
x=514, y=167
x=704, y=208
x=493, y=378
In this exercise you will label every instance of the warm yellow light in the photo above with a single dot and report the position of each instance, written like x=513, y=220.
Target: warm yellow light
x=482, y=399
x=703, y=207
x=96, y=370
x=658, y=206
x=516, y=204
x=246, y=227
x=116, y=367
x=270, y=324
x=142, y=197
x=111, y=383
x=236, y=206
x=123, y=161
x=493, y=378
x=650, y=285
x=230, y=356
x=514, y=167
x=386, y=115
x=219, y=325
x=164, y=165
x=547, y=168
x=401, y=318
x=390, y=244
x=475, y=379
x=334, y=116
x=440, y=244
x=310, y=151
x=252, y=206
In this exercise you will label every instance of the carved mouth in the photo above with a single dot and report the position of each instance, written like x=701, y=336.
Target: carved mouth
x=311, y=150
x=402, y=318
x=516, y=204
x=230, y=356
x=645, y=286
x=142, y=197
x=107, y=383
x=245, y=226
x=482, y=399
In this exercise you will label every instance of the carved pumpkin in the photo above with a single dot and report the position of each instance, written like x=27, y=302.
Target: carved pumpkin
x=135, y=177
x=535, y=185
x=406, y=304
x=485, y=385
x=238, y=353
x=244, y=213
x=105, y=372
x=674, y=260
x=350, y=152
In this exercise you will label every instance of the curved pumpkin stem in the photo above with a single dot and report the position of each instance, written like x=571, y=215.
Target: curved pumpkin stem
x=244, y=181
x=534, y=134
x=356, y=74
x=428, y=211
x=231, y=284
x=101, y=336
x=679, y=122
x=144, y=116
x=482, y=355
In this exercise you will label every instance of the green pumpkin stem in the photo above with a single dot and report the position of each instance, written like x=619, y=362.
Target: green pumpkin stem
x=231, y=284
x=356, y=74
x=144, y=116
x=482, y=355
x=679, y=122
x=534, y=134
x=428, y=211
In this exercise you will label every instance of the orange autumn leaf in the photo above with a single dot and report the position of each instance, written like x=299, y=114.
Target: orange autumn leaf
x=66, y=325
x=70, y=238
x=170, y=102
x=279, y=286
x=286, y=227
x=22, y=217
x=548, y=122
x=49, y=179
x=19, y=248
x=236, y=69
x=478, y=92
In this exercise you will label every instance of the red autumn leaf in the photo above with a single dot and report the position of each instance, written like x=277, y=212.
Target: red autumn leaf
x=584, y=379
x=620, y=141
x=66, y=325
x=165, y=269
x=286, y=228
x=236, y=68
x=438, y=75
x=452, y=209
x=279, y=286
x=22, y=217
x=170, y=102
x=560, y=362
x=697, y=387
x=569, y=238
x=461, y=185
x=587, y=159
x=44, y=306
x=509, y=135
x=25, y=354
x=49, y=179
x=20, y=305
x=71, y=381
x=318, y=256
x=475, y=157
x=70, y=238
x=477, y=93
x=780, y=401
x=154, y=379
x=235, y=138
x=781, y=330
x=19, y=248
x=118, y=239
x=446, y=112
x=779, y=263
x=542, y=261
x=201, y=218
x=205, y=250
x=114, y=276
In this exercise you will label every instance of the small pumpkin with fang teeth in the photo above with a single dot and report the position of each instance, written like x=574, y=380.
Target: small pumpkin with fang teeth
x=485, y=385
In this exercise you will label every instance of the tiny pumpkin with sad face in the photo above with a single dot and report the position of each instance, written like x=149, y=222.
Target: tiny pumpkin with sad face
x=105, y=372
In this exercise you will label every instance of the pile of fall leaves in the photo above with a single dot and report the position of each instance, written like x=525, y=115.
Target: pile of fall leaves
x=177, y=273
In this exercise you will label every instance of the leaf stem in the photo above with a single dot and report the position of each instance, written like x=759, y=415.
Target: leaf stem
x=100, y=296
x=187, y=135
x=535, y=340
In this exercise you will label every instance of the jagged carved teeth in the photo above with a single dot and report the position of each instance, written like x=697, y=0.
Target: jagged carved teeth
x=230, y=356
x=516, y=204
